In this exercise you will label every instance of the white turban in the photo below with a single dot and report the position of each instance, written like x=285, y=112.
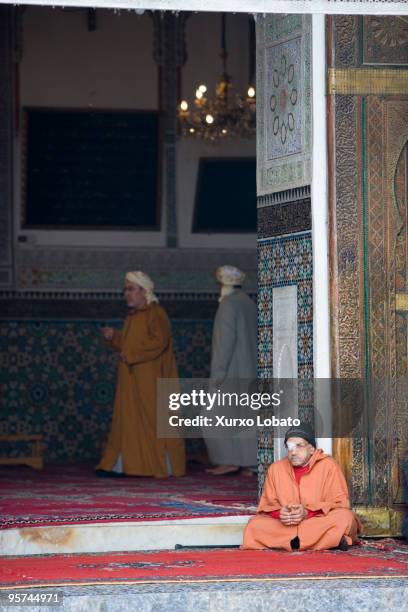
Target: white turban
x=139, y=278
x=230, y=275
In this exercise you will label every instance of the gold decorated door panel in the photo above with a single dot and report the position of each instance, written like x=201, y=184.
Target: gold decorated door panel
x=368, y=136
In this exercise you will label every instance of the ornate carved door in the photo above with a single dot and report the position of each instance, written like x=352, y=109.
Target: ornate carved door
x=400, y=261
x=368, y=119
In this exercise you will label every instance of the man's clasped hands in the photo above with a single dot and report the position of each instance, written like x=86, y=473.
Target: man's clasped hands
x=293, y=514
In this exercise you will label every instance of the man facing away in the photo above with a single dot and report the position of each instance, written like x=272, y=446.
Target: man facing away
x=304, y=503
x=145, y=354
x=233, y=356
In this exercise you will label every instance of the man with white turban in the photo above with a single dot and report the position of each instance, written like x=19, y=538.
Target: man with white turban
x=146, y=353
x=233, y=356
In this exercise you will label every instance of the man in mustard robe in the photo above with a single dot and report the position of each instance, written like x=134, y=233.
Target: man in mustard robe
x=305, y=502
x=145, y=354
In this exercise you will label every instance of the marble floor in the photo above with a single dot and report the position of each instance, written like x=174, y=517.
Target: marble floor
x=325, y=595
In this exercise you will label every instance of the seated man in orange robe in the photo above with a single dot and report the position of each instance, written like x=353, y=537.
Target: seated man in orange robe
x=146, y=354
x=304, y=503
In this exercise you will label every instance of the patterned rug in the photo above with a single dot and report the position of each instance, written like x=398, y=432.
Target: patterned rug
x=72, y=494
x=385, y=559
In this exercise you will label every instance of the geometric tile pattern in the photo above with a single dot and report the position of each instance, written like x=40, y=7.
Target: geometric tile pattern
x=284, y=128
x=57, y=378
x=284, y=102
x=284, y=261
x=92, y=269
x=284, y=163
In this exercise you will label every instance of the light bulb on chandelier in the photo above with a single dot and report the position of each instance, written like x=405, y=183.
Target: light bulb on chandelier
x=227, y=114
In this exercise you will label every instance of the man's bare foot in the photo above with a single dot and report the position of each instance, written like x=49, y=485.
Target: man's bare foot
x=222, y=470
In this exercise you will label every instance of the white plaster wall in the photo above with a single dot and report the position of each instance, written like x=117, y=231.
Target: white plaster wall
x=65, y=66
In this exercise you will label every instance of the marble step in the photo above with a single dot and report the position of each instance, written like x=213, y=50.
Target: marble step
x=123, y=536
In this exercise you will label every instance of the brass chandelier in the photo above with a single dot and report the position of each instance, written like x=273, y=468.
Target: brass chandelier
x=227, y=115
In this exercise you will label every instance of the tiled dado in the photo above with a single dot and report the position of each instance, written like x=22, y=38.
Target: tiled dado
x=282, y=261
x=103, y=270
x=97, y=306
x=57, y=378
x=285, y=261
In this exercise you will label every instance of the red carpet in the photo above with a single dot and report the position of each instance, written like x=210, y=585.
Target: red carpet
x=364, y=561
x=63, y=495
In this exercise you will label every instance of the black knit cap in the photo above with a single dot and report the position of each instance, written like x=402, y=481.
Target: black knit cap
x=302, y=431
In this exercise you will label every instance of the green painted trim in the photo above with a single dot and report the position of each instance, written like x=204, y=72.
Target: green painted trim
x=366, y=290
x=360, y=40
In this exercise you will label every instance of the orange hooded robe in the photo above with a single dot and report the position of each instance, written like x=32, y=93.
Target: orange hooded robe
x=322, y=488
x=146, y=342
